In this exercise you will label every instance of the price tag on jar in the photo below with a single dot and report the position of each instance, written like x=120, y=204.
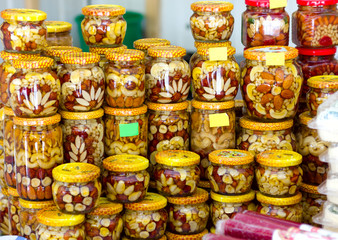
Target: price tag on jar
x=218, y=54
x=275, y=58
x=219, y=120
x=129, y=129
x=278, y=4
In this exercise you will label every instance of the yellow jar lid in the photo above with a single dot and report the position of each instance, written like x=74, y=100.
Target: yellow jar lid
x=177, y=158
x=103, y=10
x=204, y=51
x=36, y=205
x=231, y=157
x=258, y=53
x=233, y=198
x=4, y=191
x=145, y=43
x=204, y=184
x=305, y=117
x=8, y=111
x=34, y=62
x=152, y=201
x=279, y=158
x=76, y=172
x=284, y=201
x=212, y=44
x=198, y=236
x=212, y=6
x=247, y=123
x=125, y=55
x=53, y=217
x=167, y=51
x=125, y=163
x=309, y=188
x=105, y=207
x=104, y=50
x=324, y=81
x=22, y=14
x=13, y=192
x=13, y=56
x=168, y=107
x=125, y=111
x=82, y=115
x=37, y=121
x=58, y=51
x=80, y=58
x=213, y=105
x=58, y=26
x=200, y=196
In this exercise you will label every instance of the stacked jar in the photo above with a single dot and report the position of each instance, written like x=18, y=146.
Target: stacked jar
x=102, y=52
x=145, y=43
x=58, y=33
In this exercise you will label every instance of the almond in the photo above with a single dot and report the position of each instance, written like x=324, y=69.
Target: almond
x=264, y=88
x=266, y=98
x=288, y=81
x=279, y=75
x=31, y=193
x=278, y=102
x=287, y=94
x=267, y=76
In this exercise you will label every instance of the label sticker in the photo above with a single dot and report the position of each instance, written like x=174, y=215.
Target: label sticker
x=275, y=59
x=129, y=129
x=219, y=120
x=278, y=3
x=218, y=54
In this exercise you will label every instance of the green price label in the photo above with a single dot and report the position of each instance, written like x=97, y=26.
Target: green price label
x=129, y=129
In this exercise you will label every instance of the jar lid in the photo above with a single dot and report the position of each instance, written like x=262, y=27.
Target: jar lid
x=203, y=184
x=12, y=192
x=103, y=10
x=12, y=55
x=212, y=6
x=82, y=115
x=200, y=196
x=258, y=3
x=212, y=44
x=233, y=198
x=305, y=117
x=145, y=43
x=53, y=217
x=125, y=111
x=125, y=163
x=33, y=62
x=76, y=172
x=167, y=51
x=283, y=201
x=36, y=205
x=168, y=107
x=212, y=105
x=324, y=81
x=125, y=55
x=316, y=51
x=4, y=191
x=177, y=158
x=80, y=58
x=247, y=123
x=204, y=51
x=316, y=2
x=231, y=157
x=104, y=50
x=198, y=236
x=258, y=53
x=58, y=26
x=309, y=188
x=22, y=14
x=105, y=207
x=57, y=51
x=151, y=201
x=8, y=111
x=279, y=158
x=37, y=121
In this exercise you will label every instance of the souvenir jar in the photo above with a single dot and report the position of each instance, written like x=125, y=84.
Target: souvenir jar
x=198, y=236
x=4, y=220
x=144, y=44
x=58, y=33
x=55, y=52
x=13, y=212
x=8, y=147
x=102, y=52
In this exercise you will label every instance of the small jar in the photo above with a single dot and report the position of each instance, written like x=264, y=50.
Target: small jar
x=315, y=24
x=278, y=173
x=125, y=79
x=34, y=88
x=231, y=171
x=145, y=43
x=4, y=219
x=126, y=178
x=76, y=188
x=2, y=166
x=167, y=75
x=55, y=52
x=83, y=137
x=82, y=82
x=188, y=215
x=102, y=52
x=271, y=93
x=126, y=131
x=262, y=26
x=212, y=21
x=288, y=208
x=58, y=33
x=103, y=25
x=13, y=212
x=177, y=173
x=53, y=224
x=8, y=147
x=146, y=219
x=198, y=236
x=258, y=137
x=105, y=221
x=23, y=30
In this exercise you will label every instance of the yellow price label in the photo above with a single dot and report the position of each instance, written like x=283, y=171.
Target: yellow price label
x=278, y=3
x=275, y=59
x=218, y=54
x=219, y=120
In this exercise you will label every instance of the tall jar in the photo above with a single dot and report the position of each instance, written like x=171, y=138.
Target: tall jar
x=125, y=75
x=102, y=52
x=103, y=25
x=215, y=81
x=211, y=21
x=82, y=82
x=13, y=212
x=55, y=52
x=58, y=33
x=167, y=75
x=23, y=30
x=145, y=43
x=271, y=93
x=4, y=219
x=9, y=160
x=262, y=26
x=126, y=131
x=37, y=150
x=34, y=88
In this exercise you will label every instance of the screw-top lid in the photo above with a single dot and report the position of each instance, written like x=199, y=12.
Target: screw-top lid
x=168, y=107
x=80, y=58
x=316, y=2
x=105, y=207
x=76, y=172
x=53, y=217
x=33, y=62
x=258, y=3
x=13, y=192
x=22, y=14
x=324, y=81
x=247, y=123
x=279, y=158
x=233, y=198
x=316, y=51
x=36, y=205
x=13, y=55
x=57, y=51
x=198, y=236
x=258, y=53
x=37, y=121
x=212, y=105
x=200, y=196
x=58, y=26
x=231, y=157
x=177, y=158
x=145, y=43
x=212, y=6
x=8, y=111
x=82, y=115
x=167, y=51
x=284, y=201
x=125, y=111
x=125, y=55
x=305, y=117
x=204, y=51
x=104, y=50
x=125, y=163
x=103, y=10
x=309, y=188
x=151, y=201
x=212, y=44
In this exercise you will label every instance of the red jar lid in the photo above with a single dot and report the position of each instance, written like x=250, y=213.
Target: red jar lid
x=316, y=2
x=316, y=52
x=258, y=3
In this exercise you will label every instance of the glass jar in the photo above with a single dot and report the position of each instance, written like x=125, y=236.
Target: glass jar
x=58, y=33
x=211, y=21
x=34, y=88
x=13, y=212
x=105, y=221
x=188, y=215
x=315, y=24
x=262, y=26
x=144, y=44
x=271, y=93
x=23, y=30
x=126, y=131
x=288, y=208
x=83, y=137
x=258, y=137
x=177, y=173
x=103, y=25
x=167, y=75
x=198, y=236
x=76, y=188
x=125, y=79
x=4, y=220
x=231, y=171
x=2, y=165
x=53, y=224
x=126, y=178
x=102, y=52
x=55, y=52
x=146, y=219
x=8, y=147
x=278, y=173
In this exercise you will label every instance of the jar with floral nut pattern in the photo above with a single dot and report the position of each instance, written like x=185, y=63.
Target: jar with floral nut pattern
x=102, y=52
x=55, y=52
x=27, y=214
x=103, y=25
x=125, y=79
x=23, y=30
x=126, y=131
x=4, y=220
x=104, y=222
x=167, y=75
x=146, y=219
x=177, y=173
x=13, y=212
x=145, y=43
x=212, y=21
x=271, y=93
x=53, y=224
x=82, y=82
x=278, y=173
x=198, y=236
x=76, y=188
x=58, y=33
x=126, y=178
x=2, y=165
x=9, y=160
